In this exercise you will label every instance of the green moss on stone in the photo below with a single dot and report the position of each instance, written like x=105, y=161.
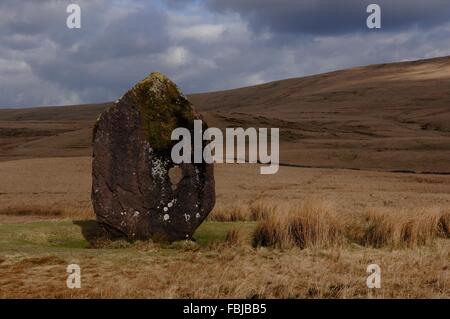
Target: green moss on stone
x=163, y=108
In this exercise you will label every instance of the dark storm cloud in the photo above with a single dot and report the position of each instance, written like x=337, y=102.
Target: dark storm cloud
x=333, y=16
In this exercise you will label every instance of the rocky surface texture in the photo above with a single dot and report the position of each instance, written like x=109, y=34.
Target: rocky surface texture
x=137, y=190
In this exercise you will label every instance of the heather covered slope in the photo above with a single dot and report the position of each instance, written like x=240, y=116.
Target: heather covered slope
x=391, y=117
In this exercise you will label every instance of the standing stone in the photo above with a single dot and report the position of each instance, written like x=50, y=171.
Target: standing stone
x=137, y=190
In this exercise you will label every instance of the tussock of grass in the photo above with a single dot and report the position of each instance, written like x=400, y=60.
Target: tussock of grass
x=309, y=225
x=271, y=232
x=403, y=229
x=314, y=224
x=444, y=225
x=234, y=237
x=260, y=210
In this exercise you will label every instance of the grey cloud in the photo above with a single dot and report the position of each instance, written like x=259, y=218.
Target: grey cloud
x=333, y=16
x=112, y=50
x=201, y=48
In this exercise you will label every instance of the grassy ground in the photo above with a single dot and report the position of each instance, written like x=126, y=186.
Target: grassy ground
x=34, y=257
x=44, y=221
x=58, y=236
x=335, y=126
x=64, y=184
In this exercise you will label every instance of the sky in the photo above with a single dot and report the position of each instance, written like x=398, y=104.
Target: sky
x=202, y=45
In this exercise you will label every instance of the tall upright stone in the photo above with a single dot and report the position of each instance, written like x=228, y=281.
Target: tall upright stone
x=137, y=190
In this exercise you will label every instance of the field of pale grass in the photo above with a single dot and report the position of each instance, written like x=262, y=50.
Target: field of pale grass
x=221, y=263
x=304, y=233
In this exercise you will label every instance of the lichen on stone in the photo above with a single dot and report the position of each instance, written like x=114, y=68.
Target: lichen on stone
x=159, y=168
x=163, y=108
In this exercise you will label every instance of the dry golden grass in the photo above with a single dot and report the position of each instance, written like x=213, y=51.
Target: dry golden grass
x=401, y=229
x=46, y=186
x=231, y=272
x=272, y=232
x=315, y=224
x=235, y=237
x=64, y=184
x=444, y=225
x=325, y=248
x=399, y=221
x=220, y=214
x=251, y=211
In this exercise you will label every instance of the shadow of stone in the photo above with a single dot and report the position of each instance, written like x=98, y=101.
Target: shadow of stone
x=92, y=231
x=99, y=236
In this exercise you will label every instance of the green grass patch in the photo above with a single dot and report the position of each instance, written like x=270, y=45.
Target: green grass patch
x=67, y=235
x=216, y=232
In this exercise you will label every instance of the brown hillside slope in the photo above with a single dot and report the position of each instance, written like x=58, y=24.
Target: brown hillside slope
x=393, y=117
